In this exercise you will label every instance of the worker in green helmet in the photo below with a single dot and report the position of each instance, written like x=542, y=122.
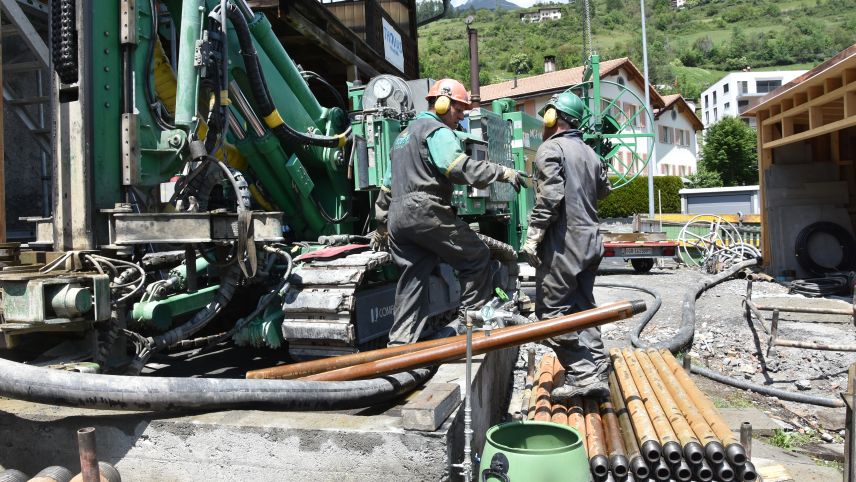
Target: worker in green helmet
x=563, y=243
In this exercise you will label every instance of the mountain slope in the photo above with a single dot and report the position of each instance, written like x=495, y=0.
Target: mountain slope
x=685, y=46
x=488, y=4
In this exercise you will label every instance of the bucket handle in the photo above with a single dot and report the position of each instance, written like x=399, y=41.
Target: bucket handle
x=498, y=468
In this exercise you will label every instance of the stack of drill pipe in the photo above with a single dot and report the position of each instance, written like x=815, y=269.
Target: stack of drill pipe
x=631, y=445
x=735, y=455
x=543, y=406
x=692, y=449
x=671, y=448
x=596, y=441
x=646, y=436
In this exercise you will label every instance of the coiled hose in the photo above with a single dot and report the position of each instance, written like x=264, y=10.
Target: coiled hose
x=120, y=392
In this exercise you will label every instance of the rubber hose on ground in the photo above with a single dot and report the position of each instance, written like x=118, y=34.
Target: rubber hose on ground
x=684, y=337
x=119, y=392
x=770, y=391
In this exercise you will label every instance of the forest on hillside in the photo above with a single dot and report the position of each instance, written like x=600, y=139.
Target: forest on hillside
x=688, y=49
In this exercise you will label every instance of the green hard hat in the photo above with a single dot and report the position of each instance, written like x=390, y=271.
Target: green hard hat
x=566, y=102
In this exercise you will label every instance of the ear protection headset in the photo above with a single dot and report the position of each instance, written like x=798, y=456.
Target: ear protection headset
x=551, y=116
x=442, y=104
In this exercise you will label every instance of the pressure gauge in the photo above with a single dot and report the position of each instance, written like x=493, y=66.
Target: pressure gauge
x=382, y=88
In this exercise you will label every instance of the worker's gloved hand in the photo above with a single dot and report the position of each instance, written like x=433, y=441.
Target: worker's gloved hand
x=529, y=250
x=380, y=238
x=515, y=178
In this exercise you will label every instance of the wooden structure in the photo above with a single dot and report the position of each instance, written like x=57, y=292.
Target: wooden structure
x=806, y=154
x=342, y=40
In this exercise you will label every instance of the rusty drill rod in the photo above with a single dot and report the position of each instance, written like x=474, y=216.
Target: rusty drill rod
x=304, y=369
x=88, y=456
x=577, y=419
x=543, y=405
x=499, y=339
x=618, y=462
x=692, y=448
x=533, y=396
x=594, y=432
x=646, y=436
x=637, y=463
x=559, y=413
x=671, y=447
x=733, y=450
x=713, y=449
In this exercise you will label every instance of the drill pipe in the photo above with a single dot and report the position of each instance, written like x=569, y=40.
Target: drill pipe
x=703, y=472
x=692, y=448
x=714, y=450
x=543, y=404
x=747, y=472
x=577, y=419
x=559, y=413
x=524, y=399
x=723, y=472
x=304, y=369
x=618, y=462
x=681, y=471
x=533, y=396
x=499, y=339
x=646, y=436
x=733, y=450
x=661, y=470
x=594, y=432
x=637, y=463
x=671, y=447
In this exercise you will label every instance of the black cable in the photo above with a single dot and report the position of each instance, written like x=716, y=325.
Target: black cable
x=150, y=98
x=308, y=74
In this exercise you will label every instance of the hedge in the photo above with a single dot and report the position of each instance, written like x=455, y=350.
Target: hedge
x=632, y=198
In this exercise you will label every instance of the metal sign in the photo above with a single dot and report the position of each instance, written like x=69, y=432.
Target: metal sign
x=392, y=47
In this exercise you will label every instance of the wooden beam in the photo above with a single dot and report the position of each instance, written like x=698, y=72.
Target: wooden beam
x=850, y=104
x=825, y=129
x=801, y=105
x=787, y=126
x=815, y=117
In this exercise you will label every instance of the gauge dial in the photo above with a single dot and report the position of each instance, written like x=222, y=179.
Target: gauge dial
x=382, y=88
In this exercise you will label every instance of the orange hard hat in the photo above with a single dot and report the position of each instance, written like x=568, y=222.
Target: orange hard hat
x=450, y=88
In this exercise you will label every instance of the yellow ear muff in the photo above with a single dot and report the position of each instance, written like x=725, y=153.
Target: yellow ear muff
x=442, y=104
x=550, y=117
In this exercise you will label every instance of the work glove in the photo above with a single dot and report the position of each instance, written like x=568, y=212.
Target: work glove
x=515, y=178
x=529, y=250
x=379, y=238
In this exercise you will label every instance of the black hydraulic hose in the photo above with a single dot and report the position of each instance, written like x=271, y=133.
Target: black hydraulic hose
x=767, y=390
x=261, y=93
x=687, y=330
x=684, y=337
x=308, y=74
x=120, y=392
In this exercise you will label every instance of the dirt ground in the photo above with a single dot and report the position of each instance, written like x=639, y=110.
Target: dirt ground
x=725, y=342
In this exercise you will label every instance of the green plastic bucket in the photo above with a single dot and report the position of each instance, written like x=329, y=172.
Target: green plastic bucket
x=529, y=451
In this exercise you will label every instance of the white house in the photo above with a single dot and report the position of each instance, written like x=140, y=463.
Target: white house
x=542, y=15
x=738, y=91
x=532, y=93
x=676, y=147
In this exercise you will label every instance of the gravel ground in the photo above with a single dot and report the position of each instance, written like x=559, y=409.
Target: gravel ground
x=724, y=341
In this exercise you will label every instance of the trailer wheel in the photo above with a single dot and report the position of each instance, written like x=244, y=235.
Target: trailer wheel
x=642, y=265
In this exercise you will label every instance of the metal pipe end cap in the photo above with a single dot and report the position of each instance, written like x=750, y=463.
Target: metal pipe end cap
x=694, y=453
x=714, y=452
x=672, y=452
x=736, y=454
x=651, y=450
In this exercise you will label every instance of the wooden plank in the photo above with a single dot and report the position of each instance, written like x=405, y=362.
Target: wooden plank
x=428, y=410
x=825, y=129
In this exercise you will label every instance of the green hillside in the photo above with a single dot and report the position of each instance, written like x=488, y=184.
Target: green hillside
x=688, y=49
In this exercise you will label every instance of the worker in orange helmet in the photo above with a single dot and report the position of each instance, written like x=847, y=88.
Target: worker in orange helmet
x=416, y=205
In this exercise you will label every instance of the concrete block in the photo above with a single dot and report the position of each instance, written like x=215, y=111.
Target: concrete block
x=762, y=425
x=431, y=406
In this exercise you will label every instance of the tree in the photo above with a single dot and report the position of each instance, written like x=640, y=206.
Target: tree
x=520, y=63
x=704, y=177
x=730, y=150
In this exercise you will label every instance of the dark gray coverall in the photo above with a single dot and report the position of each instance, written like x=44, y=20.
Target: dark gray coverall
x=424, y=229
x=569, y=179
